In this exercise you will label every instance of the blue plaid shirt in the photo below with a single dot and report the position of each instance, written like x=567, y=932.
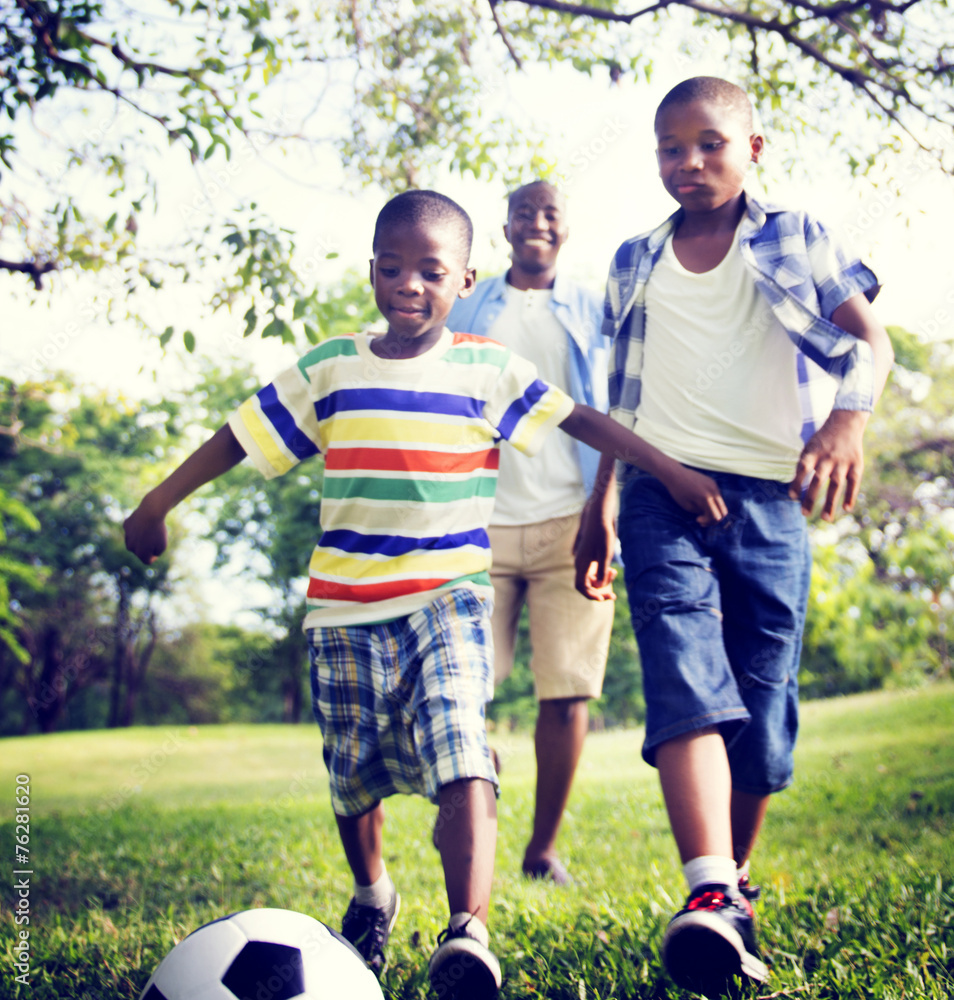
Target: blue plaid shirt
x=804, y=277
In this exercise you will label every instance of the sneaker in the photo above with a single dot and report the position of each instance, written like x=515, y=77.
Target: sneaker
x=750, y=891
x=547, y=870
x=711, y=940
x=368, y=929
x=462, y=968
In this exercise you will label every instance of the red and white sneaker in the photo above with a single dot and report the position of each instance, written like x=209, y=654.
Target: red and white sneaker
x=711, y=941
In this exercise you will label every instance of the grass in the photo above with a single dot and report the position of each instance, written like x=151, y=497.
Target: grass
x=137, y=837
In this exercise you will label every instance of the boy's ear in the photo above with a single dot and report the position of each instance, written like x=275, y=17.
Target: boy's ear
x=371, y=271
x=757, y=143
x=506, y=232
x=469, y=283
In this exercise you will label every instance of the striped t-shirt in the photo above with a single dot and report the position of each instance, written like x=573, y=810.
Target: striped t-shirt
x=411, y=454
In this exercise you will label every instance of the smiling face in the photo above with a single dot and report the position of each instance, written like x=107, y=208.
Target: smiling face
x=417, y=274
x=536, y=229
x=704, y=149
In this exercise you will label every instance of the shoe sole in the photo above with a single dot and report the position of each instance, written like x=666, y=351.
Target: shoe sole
x=703, y=953
x=463, y=972
x=392, y=922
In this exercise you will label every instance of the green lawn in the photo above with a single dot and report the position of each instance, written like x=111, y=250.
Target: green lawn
x=137, y=837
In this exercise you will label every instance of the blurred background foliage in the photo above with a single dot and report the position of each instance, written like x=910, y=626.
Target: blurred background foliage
x=91, y=638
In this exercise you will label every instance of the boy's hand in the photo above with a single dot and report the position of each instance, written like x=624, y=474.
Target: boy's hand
x=146, y=535
x=593, y=550
x=834, y=453
x=696, y=493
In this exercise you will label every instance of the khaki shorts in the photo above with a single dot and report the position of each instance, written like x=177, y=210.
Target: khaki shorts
x=569, y=634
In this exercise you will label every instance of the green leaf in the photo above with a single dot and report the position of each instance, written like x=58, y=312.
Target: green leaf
x=277, y=328
x=165, y=336
x=188, y=338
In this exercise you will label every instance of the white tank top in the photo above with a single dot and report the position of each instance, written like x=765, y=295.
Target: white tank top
x=719, y=377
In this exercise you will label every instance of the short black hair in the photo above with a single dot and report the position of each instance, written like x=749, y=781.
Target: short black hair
x=514, y=195
x=713, y=89
x=428, y=208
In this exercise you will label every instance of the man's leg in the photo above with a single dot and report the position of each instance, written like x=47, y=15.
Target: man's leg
x=570, y=637
x=562, y=725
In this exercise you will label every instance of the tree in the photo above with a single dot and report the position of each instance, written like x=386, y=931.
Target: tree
x=85, y=608
x=396, y=91
x=883, y=595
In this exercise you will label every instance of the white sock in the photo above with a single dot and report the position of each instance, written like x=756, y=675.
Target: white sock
x=742, y=872
x=476, y=928
x=378, y=894
x=709, y=869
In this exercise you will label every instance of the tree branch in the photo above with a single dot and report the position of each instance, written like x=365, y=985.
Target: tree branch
x=34, y=268
x=503, y=34
x=597, y=13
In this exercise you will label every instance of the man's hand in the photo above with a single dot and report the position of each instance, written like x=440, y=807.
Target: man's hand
x=834, y=454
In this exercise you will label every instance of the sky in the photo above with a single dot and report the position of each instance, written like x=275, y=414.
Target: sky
x=601, y=138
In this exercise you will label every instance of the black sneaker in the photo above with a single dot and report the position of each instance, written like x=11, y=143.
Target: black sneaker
x=462, y=968
x=711, y=941
x=368, y=929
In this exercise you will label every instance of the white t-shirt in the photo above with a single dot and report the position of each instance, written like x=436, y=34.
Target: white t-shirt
x=719, y=379
x=549, y=484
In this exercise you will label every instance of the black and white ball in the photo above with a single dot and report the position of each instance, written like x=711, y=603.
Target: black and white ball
x=265, y=954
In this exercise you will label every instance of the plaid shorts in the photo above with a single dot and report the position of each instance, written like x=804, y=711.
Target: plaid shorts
x=401, y=705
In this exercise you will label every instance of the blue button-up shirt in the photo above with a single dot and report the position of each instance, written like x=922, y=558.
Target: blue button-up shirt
x=579, y=312
x=804, y=276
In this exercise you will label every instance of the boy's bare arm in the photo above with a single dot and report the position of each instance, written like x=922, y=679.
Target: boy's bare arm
x=145, y=528
x=835, y=453
x=692, y=490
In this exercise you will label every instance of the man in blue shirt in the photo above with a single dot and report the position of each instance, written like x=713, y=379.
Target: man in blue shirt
x=555, y=322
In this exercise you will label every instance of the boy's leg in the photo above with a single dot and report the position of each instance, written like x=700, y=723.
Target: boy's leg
x=748, y=814
x=693, y=707
x=468, y=841
x=696, y=784
x=463, y=967
x=374, y=907
x=362, y=842
x=455, y=683
x=348, y=665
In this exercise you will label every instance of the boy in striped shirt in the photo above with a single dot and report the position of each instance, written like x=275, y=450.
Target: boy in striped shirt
x=409, y=425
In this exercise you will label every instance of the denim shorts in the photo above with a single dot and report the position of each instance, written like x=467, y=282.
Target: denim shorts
x=718, y=614
x=401, y=704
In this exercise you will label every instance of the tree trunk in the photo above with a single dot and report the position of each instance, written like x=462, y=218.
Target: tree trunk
x=49, y=695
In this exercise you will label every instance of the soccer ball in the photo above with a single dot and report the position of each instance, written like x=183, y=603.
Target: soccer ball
x=264, y=954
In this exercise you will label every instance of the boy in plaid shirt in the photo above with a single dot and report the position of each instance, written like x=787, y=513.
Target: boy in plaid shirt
x=744, y=345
